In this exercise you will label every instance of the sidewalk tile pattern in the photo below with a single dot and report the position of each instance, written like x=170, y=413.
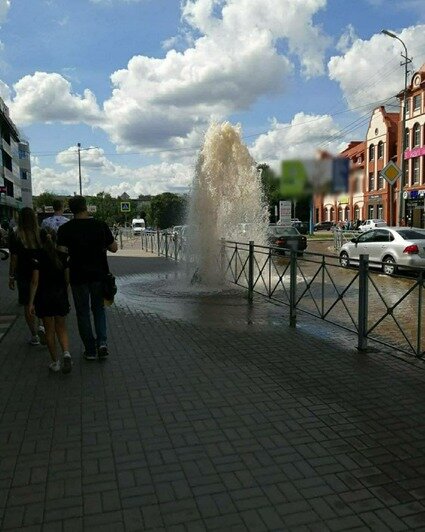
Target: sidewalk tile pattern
x=189, y=427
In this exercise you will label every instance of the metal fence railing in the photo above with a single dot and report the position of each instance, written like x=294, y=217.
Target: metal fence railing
x=341, y=237
x=385, y=309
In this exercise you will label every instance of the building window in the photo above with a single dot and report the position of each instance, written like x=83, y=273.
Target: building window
x=407, y=173
x=407, y=107
x=332, y=215
x=416, y=102
x=371, y=181
x=24, y=174
x=415, y=170
x=407, y=138
x=371, y=152
x=380, y=150
x=371, y=211
x=357, y=212
x=380, y=212
x=416, y=135
x=380, y=181
x=340, y=214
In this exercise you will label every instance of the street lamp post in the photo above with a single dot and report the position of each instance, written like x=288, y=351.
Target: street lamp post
x=79, y=167
x=79, y=150
x=405, y=63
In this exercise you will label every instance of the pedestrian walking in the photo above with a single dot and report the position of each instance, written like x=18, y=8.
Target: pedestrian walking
x=57, y=219
x=87, y=240
x=24, y=243
x=49, y=298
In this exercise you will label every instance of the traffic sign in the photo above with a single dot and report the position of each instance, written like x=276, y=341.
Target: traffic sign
x=391, y=172
x=91, y=208
x=125, y=206
x=48, y=208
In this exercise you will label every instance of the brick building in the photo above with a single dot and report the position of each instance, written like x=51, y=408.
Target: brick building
x=414, y=182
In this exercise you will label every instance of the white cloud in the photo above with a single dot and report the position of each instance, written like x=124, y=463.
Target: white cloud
x=44, y=97
x=4, y=9
x=4, y=91
x=49, y=179
x=231, y=64
x=347, y=38
x=301, y=138
x=99, y=173
x=234, y=56
x=370, y=69
x=90, y=157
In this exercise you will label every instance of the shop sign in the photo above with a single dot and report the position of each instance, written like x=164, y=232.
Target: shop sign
x=416, y=152
x=375, y=198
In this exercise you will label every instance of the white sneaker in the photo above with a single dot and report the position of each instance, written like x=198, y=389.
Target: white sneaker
x=55, y=366
x=66, y=363
x=35, y=340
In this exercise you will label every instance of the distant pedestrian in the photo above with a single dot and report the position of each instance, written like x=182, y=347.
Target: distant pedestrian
x=57, y=219
x=49, y=298
x=24, y=244
x=86, y=240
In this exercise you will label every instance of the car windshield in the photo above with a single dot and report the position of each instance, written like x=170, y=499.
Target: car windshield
x=283, y=231
x=411, y=234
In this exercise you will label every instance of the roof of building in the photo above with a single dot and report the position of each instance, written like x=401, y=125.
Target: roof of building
x=355, y=147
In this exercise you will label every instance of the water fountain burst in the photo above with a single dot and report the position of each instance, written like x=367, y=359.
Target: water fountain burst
x=226, y=201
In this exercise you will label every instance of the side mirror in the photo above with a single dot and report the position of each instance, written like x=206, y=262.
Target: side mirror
x=354, y=240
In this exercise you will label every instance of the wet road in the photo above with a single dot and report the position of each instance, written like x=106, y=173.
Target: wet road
x=394, y=312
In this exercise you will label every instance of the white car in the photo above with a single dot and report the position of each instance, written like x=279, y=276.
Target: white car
x=390, y=248
x=372, y=223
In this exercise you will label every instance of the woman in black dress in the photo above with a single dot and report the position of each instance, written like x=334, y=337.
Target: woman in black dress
x=49, y=298
x=24, y=243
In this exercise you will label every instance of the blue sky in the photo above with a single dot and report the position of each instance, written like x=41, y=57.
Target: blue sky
x=138, y=81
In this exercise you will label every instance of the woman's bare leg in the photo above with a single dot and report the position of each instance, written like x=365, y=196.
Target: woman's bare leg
x=49, y=327
x=31, y=320
x=62, y=332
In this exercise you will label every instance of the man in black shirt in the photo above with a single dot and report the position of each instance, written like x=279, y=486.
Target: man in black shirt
x=86, y=241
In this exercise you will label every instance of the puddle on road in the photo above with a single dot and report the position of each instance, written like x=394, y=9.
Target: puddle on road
x=170, y=297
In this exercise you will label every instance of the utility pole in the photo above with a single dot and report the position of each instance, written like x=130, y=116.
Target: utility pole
x=79, y=168
x=79, y=150
x=405, y=63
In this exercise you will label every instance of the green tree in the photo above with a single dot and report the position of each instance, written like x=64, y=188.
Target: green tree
x=270, y=184
x=44, y=199
x=167, y=209
x=107, y=207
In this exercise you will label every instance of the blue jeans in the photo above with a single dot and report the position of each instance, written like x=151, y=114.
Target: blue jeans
x=86, y=296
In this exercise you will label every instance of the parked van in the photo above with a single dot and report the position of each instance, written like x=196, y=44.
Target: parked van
x=138, y=225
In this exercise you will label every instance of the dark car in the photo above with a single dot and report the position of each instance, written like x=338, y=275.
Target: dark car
x=324, y=226
x=301, y=226
x=286, y=238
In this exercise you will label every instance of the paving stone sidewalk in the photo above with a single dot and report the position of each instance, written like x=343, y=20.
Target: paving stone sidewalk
x=197, y=427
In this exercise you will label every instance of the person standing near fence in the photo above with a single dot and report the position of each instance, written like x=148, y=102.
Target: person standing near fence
x=87, y=240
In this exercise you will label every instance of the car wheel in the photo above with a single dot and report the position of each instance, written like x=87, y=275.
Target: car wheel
x=389, y=266
x=344, y=259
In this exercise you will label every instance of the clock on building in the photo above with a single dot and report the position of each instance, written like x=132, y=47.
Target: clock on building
x=417, y=80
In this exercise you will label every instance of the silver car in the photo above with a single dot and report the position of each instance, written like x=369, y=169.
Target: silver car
x=394, y=247
x=372, y=223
